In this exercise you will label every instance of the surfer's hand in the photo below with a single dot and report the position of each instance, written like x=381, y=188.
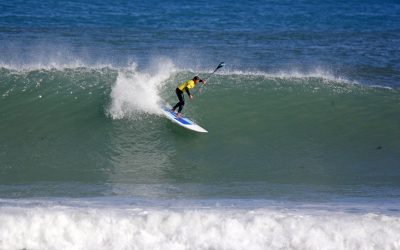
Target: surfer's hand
x=191, y=97
x=204, y=82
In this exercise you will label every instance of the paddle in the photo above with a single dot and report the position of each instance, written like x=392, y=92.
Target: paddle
x=220, y=65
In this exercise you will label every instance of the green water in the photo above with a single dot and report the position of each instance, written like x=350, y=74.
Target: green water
x=56, y=127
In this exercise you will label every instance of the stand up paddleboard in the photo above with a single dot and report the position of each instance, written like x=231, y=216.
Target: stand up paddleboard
x=181, y=121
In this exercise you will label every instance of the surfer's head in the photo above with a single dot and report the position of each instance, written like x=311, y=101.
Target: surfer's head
x=197, y=79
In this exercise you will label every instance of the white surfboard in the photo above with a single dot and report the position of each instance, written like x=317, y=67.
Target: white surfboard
x=181, y=121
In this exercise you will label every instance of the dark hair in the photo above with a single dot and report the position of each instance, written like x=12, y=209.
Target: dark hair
x=196, y=78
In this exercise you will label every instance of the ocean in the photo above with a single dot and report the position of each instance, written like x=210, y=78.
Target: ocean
x=303, y=149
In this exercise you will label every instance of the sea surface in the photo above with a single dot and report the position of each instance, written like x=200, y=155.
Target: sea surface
x=303, y=149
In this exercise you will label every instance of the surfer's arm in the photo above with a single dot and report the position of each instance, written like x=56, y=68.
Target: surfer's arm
x=187, y=91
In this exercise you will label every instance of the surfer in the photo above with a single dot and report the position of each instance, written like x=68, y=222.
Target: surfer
x=185, y=87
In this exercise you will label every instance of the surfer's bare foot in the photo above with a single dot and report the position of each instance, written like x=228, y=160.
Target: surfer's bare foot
x=173, y=110
x=179, y=115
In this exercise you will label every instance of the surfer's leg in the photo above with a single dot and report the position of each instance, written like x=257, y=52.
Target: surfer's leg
x=181, y=99
x=181, y=102
x=176, y=105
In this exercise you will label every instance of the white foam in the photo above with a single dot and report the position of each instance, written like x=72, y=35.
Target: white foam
x=63, y=59
x=44, y=55
x=137, y=92
x=293, y=75
x=55, y=65
x=41, y=226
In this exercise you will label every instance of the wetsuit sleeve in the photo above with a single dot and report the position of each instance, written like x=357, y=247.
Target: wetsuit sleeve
x=187, y=91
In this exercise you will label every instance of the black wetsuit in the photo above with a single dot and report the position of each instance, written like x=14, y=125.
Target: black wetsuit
x=181, y=98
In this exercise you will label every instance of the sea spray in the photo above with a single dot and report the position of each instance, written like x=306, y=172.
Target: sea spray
x=136, y=92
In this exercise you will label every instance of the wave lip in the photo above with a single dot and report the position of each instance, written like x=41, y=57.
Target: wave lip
x=293, y=75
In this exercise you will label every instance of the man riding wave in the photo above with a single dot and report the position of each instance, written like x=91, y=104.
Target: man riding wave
x=186, y=86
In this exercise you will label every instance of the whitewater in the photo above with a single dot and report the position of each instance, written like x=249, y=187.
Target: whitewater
x=83, y=224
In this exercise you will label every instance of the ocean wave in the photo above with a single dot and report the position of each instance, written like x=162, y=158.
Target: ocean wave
x=102, y=125
x=55, y=65
x=59, y=226
x=204, y=71
x=60, y=64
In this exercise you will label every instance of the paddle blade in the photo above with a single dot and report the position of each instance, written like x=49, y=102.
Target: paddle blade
x=222, y=64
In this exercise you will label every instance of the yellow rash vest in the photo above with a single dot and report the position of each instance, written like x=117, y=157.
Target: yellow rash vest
x=189, y=84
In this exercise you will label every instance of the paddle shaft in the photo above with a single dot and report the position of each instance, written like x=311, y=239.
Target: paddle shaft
x=208, y=78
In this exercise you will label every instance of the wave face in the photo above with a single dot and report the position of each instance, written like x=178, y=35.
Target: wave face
x=43, y=225
x=102, y=125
